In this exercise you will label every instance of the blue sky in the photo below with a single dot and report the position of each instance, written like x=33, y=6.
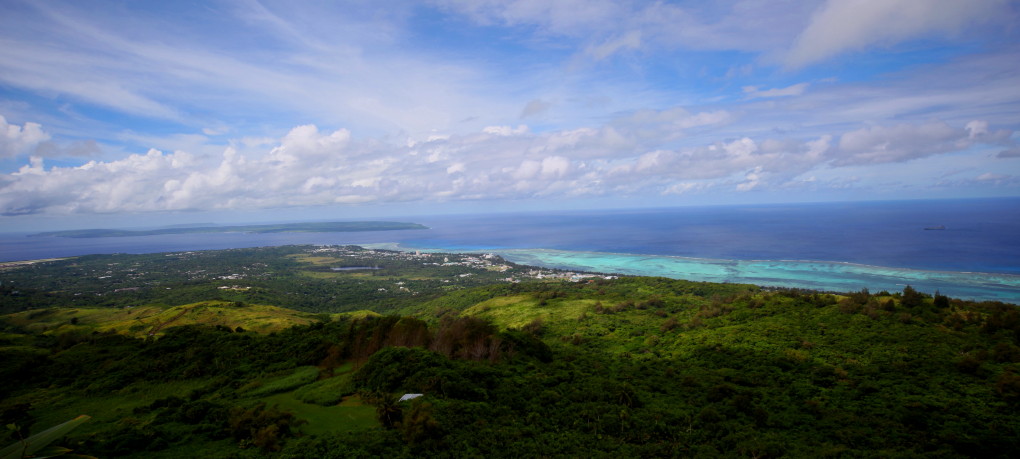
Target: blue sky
x=120, y=113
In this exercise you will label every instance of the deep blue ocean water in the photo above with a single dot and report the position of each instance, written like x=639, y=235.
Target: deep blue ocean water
x=831, y=246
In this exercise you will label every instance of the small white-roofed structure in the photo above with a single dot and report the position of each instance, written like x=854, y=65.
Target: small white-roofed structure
x=406, y=397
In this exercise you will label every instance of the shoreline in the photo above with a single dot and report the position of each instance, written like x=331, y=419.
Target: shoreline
x=18, y=263
x=401, y=247
x=834, y=276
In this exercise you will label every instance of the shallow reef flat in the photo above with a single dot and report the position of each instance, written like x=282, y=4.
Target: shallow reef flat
x=816, y=275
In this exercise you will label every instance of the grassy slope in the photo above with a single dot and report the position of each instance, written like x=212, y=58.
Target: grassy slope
x=144, y=320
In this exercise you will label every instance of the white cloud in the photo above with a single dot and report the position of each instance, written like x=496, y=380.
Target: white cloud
x=684, y=188
x=998, y=179
x=564, y=17
x=976, y=128
x=851, y=25
x=307, y=166
x=527, y=169
x=555, y=166
x=740, y=148
x=456, y=168
x=629, y=41
x=19, y=140
x=535, y=107
x=753, y=92
x=306, y=140
x=326, y=63
x=603, y=28
x=990, y=177
x=505, y=130
x=903, y=142
x=752, y=179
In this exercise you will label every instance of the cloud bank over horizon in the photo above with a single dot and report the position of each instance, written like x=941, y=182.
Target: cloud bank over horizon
x=311, y=168
x=152, y=107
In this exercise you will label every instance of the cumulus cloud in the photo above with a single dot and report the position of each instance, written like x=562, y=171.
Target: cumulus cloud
x=850, y=25
x=307, y=166
x=19, y=140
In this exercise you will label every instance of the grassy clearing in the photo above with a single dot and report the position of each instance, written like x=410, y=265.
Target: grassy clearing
x=299, y=377
x=359, y=314
x=258, y=318
x=326, y=392
x=315, y=260
x=520, y=310
x=349, y=416
x=327, y=405
x=142, y=320
x=323, y=275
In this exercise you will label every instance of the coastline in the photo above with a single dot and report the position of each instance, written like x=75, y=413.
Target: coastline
x=837, y=276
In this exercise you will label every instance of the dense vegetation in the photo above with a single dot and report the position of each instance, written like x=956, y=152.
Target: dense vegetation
x=628, y=367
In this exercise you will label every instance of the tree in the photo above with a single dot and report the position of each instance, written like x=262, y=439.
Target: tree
x=911, y=298
x=418, y=425
x=387, y=407
x=941, y=301
x=261, y=426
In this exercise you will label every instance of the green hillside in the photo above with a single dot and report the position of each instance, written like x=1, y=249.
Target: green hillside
x=628, y=367
x=154, y=320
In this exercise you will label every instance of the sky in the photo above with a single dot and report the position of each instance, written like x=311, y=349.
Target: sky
x=117, y=113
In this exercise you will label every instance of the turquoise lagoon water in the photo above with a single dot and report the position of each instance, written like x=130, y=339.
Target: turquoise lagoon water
x=825, y=246
x=805, y=274
x=829, y=276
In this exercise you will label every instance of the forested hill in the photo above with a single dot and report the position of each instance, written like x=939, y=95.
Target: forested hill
x=316, y=227
x=554, y=365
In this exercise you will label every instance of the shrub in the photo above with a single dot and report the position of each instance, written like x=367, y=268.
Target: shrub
x=261, y=426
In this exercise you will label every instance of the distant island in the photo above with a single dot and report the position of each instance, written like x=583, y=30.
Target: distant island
x=320, y=227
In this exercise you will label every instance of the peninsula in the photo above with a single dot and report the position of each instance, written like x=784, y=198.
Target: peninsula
x=317, y=227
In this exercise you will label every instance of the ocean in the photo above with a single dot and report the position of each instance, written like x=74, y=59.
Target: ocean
x=831, y=246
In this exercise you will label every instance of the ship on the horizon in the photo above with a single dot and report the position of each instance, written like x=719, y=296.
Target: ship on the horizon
x=936, y=227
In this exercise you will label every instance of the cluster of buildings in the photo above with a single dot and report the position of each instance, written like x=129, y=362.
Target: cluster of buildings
x=488, y=262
